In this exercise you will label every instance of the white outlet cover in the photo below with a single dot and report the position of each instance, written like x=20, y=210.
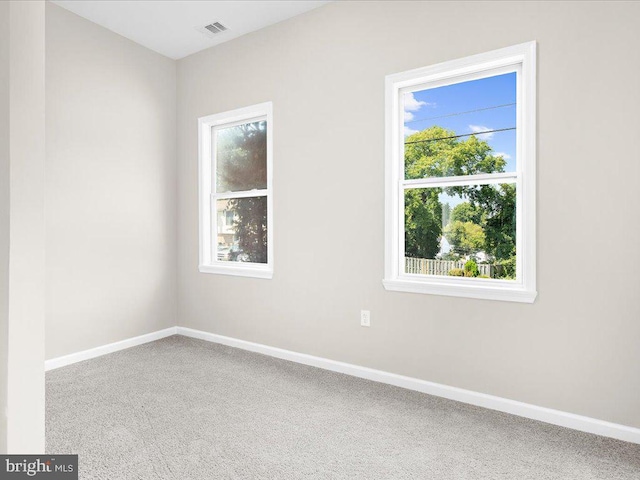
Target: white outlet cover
x=365, y=318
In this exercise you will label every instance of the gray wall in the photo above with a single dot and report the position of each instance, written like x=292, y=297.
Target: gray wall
x=576, y=348
x=25, y=331
x=4, y=216
x=111, y=186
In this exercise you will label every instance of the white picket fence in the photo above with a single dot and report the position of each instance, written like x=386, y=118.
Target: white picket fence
x=427, y=266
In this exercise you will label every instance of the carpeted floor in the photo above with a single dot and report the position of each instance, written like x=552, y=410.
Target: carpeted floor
x=181, y=408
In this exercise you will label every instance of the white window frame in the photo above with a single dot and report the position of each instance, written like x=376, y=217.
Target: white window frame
x=208, y=262
x=522, y=59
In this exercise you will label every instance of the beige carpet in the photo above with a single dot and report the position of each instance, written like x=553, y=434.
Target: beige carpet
x=181, y=408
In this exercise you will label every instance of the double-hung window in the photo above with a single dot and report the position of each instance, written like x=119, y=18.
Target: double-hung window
x=460, y=177
x=236, y=208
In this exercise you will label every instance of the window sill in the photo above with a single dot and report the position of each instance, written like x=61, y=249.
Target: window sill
x=239, y=270
x=468, y=289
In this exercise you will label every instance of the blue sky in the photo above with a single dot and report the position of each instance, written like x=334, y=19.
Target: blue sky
x=420, y=108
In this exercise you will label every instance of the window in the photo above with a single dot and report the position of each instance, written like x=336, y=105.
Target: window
x=236, y=209
x=460, y=177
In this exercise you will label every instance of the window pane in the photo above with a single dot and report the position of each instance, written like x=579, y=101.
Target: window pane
x=242, y=230
x=241, y=157
x=462, y=129
x=465, y=231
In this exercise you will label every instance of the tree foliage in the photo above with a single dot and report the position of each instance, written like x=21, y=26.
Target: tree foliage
x=251, y=227
x=466, y=238
x=466, y=212
x=500, y=225
x=434, y=153
x=241, y=160
x=423, y=222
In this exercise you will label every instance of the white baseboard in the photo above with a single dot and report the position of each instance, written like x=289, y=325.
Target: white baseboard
x=548, y=415
x=110, y=348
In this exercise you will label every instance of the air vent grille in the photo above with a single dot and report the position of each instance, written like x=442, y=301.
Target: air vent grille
x=216, y=27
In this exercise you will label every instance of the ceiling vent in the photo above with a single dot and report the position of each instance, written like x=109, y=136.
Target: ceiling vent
x=215, y=28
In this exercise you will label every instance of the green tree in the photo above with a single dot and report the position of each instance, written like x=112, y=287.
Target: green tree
x=434, y=152
x=466, y=212
x=466, y=238
x=423, y=222
x=500, y=227
x=251, y=228
x=242, y=157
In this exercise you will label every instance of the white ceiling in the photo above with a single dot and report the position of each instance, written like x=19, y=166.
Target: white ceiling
x=170, y=27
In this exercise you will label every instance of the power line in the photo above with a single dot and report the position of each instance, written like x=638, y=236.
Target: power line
x=461, y=113
x=458, y=136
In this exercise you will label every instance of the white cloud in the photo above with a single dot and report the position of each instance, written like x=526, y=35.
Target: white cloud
x=412, y=104
x=481, y=128
x=409, y=131
x=506, y=156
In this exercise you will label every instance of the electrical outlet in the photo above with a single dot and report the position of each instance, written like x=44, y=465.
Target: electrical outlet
x=365, y=318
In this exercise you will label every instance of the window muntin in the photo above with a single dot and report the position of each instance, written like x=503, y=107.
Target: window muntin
x=236, y=233
x=463, y=133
